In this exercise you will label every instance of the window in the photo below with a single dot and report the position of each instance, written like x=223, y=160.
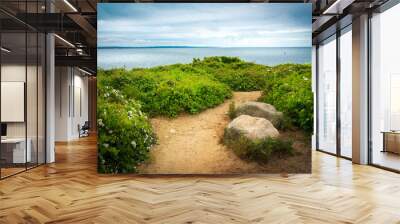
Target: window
x=385, y=89
x=327, y=95
x=346, y=92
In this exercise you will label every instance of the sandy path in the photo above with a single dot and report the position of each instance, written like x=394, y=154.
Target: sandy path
x=191, y=143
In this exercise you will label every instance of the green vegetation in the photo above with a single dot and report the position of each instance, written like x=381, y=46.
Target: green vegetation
x=127, y=97
x=257, y=150
x=124, y=133
x=288, y=88
x=237, y=74
x=168, y=90
x=232, y=110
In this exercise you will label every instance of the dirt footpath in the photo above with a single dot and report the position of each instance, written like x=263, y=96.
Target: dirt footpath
x=190, y=144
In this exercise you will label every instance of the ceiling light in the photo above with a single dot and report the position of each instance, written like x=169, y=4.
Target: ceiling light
x=65, y=41
x=5, y=50
x=86, y=72
x=70, y=5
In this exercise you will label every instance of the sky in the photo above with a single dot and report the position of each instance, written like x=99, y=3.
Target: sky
x=204, y=25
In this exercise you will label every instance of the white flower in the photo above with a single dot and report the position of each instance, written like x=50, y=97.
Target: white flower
x=134, y=144
x=100, y=122
x=106, y=145
x=110, y=132
x=130, y=114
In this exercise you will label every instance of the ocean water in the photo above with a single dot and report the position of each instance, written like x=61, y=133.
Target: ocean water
x=148, y=57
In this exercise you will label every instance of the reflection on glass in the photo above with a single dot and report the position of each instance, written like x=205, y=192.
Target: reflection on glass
x=385, y=89
x=394, y=102
x=15, y=151
x=22, y=90
x=327, y=96
x=346, y=93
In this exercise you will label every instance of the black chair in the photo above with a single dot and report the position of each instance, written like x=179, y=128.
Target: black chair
x=84, y=130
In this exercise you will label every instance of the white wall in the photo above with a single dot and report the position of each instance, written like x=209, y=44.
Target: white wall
x=70, y=83
x=16, y=72
x=33, y=127
x=79, y=117
x=62, y=82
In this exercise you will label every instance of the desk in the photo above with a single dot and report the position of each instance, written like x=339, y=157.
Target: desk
x=391, y=141
x=15, y=148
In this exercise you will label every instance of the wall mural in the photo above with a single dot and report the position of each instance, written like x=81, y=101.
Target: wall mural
x=204, y=88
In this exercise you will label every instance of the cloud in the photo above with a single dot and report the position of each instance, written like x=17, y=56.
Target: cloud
x=219, y=25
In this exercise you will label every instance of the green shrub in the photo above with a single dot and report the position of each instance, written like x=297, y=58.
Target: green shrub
x=170, y=90
x=257, y=150
x=288, y=88
x=126, y=97
x=284, y=123
x=237, y=74
x=125, y=135
x=232, y=110
x=263, y=150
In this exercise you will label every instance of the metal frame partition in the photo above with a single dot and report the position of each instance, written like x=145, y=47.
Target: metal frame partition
x=36, y=63
x=336, y=30
x=382, y=8
x=338, y=75
x=318, y=91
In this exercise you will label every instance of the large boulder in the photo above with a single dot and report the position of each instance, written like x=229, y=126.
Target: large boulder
x=258, y=109
x=253, y=128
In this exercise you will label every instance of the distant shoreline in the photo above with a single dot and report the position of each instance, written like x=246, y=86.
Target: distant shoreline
x=118, y=47
x=155, y=56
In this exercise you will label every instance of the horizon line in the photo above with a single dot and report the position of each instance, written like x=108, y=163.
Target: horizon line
x=196, y=47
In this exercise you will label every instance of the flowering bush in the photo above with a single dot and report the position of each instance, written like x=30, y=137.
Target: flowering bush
x=126, y=97
x=288, y=88
x=125, y=135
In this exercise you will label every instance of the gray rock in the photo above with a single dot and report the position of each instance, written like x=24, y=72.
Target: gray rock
x=253, y=128
x=258, y=109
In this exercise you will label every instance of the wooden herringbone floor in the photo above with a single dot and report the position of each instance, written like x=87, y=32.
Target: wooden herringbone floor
x=70, y=191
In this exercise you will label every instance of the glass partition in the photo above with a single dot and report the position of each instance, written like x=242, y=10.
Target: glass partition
x=22, y=77
x=385, y=89
x=327, y=95
x=14, y=153
x=346, y=92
